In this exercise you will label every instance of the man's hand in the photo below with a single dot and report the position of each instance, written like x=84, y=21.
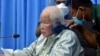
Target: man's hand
x=88, y=35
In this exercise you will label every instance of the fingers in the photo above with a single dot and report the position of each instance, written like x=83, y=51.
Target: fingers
x=73, y=25
x=68, y=22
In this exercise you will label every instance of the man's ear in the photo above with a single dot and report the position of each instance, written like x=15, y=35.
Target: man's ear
x=81, y=8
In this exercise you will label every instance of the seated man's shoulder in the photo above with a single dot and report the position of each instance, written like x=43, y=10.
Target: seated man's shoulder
x=68, y=35
x=69, y=31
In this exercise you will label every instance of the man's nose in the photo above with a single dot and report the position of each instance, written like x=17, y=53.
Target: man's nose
x=42, y=26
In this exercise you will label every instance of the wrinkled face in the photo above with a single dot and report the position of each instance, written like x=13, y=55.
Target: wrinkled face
x=46, y=24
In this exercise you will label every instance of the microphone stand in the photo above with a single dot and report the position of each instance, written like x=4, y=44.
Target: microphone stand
x=12, y=36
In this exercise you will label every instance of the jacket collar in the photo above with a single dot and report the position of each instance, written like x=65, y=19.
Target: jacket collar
x=41, y=41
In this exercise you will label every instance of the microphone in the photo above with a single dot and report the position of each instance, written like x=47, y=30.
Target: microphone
x=13, y=36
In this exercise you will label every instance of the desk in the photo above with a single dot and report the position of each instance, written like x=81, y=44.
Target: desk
x=1, y=54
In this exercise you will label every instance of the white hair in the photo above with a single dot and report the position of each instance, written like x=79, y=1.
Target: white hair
x=55, y=14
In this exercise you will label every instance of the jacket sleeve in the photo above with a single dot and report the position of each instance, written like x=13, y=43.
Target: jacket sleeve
x=29, y=51
x=67, y=45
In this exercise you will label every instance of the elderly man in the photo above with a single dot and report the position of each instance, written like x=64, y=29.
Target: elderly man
x=62, y=42
x=61, y=5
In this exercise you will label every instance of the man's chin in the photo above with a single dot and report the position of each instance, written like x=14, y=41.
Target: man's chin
x=45, y=35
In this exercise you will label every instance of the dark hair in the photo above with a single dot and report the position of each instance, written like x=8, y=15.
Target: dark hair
x=76, y=3
x=67, y=2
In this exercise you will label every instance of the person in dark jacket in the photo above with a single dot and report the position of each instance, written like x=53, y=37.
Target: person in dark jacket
x=82, y=24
